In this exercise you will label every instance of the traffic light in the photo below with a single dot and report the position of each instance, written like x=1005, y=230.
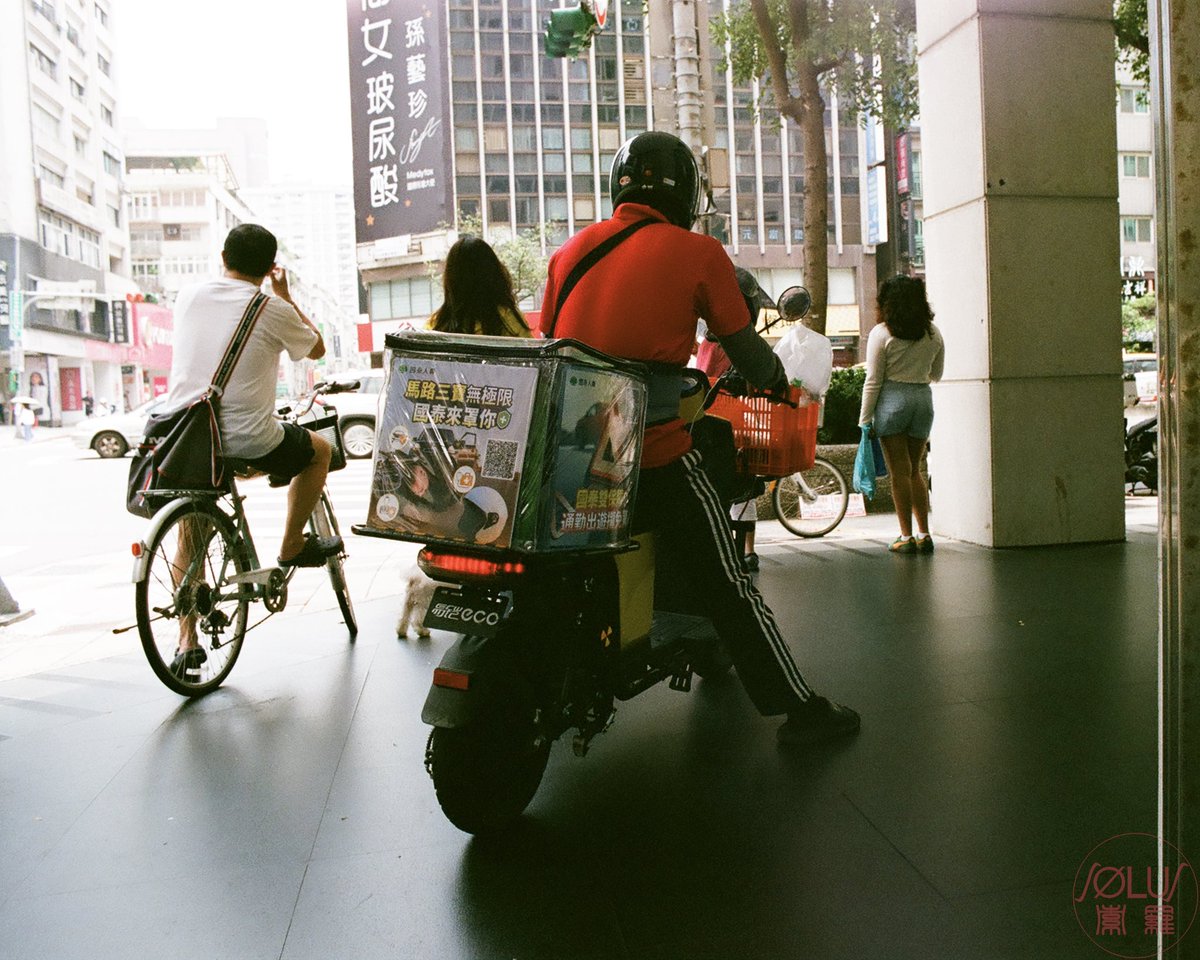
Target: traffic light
x=569, y=31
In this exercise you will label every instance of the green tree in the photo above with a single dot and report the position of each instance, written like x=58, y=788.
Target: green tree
x=800, y=49
x=1131, y=23
x=1138, y=319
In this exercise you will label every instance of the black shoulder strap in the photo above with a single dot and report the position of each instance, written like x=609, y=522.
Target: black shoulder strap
x=589, y=261
x=238, y=342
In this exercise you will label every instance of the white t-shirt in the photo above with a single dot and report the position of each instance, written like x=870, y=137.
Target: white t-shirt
x=205, y=318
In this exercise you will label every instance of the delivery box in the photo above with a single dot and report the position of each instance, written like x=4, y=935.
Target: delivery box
x=507, y=444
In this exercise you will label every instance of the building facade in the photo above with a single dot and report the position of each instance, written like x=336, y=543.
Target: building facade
x=64, y=241
x=1136, y=189
x=532, y=139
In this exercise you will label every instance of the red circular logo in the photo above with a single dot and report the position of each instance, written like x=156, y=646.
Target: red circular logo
x=1125, y=899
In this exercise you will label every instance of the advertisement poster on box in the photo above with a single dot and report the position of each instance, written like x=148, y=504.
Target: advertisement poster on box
x=599, y=447
x=450, y=449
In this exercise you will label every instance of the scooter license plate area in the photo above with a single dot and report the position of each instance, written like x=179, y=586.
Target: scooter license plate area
x=462, y=610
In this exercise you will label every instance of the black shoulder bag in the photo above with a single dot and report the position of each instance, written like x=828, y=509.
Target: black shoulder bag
x=589, y=260
x=182, y=450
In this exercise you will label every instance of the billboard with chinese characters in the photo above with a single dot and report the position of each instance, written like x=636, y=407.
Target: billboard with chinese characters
x=399, y=117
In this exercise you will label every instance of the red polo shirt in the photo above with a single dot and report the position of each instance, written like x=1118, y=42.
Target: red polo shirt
x=641, y=301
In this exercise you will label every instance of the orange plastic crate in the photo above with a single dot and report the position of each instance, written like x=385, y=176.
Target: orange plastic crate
x=773, y=439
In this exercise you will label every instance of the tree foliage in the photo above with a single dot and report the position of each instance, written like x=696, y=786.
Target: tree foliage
x=799, y=50
x=1132, y=26
x=1139, y=319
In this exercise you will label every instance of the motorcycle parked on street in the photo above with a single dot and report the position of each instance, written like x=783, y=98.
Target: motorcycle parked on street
x=1141, y=455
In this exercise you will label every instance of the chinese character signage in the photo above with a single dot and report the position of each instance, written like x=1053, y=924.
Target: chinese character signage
x=524, y=445
x=120, y=321
x=450, y=449
x=398, y=117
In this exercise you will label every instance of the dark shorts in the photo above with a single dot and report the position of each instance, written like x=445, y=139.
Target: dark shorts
x=292, y=455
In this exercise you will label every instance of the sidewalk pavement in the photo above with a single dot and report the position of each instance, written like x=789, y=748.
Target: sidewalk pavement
x=1008, y=701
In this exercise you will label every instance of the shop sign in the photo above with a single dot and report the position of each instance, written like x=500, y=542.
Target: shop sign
x=398, y=116
x=70, y=389
x=119, y=311
x=4, y=293
x=902, y=188
x=153, y=328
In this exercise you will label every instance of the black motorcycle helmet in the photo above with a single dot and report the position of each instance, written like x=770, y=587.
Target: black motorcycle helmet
x=657, y=169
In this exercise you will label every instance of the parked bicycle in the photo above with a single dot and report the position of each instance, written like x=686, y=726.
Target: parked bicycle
x=812, y=502
x=197, y=572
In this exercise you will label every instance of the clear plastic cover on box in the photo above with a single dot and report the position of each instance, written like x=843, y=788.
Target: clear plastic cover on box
x=515, y=445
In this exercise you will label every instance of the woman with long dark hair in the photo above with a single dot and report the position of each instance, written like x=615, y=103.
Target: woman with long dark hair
x=905, y=353
x=477, y=293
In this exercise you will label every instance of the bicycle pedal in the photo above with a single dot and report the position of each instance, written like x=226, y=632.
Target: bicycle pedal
x=682, y=680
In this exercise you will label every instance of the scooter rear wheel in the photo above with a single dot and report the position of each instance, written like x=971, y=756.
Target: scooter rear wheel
x=485, y=777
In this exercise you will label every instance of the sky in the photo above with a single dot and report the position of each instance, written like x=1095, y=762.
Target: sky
x=183, y=64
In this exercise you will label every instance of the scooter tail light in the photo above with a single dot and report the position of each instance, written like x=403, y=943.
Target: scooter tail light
x=453, y=565
x=454, y=679
x=136, y=548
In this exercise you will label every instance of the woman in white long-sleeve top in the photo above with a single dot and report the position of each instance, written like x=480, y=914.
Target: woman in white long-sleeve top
x=905, y=353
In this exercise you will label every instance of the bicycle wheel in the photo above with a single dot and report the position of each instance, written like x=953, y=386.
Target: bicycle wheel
x=812, y=502
x=323, y=523
x=186, y=595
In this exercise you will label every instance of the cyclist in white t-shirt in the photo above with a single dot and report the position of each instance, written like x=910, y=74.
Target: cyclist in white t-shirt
x=205, y=318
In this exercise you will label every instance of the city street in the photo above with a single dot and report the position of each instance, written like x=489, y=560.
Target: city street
x=66, y=552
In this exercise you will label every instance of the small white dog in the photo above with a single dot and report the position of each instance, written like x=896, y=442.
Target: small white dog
x=418, y=591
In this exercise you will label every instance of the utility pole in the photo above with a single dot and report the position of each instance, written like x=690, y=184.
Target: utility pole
x=686, y=57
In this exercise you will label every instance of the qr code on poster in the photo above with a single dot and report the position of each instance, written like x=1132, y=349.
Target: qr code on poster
x=500, y=459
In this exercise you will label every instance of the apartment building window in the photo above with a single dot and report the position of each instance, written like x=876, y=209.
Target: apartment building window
x=104, y=64
x=106, y=114
x=114, y=215
x=182, y=198
x=46, y=123
x=413, y=297
x=80, y=146
x=144, y=268
x=73, y=38
x=89, y=247
x=1135, y=165
x=1134, y=100
x=78, y=91
x=51, y=176
x=111, y=164
x=46, y=9
x=102, y=15
x=1135, y=229
x=143, y=206
x=56, y=234
x=87, y=194
x=44, y=61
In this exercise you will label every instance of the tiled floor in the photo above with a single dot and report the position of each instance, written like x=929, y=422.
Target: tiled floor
x=1008, y=702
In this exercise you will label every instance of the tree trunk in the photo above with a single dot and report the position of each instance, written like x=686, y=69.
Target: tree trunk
x=816, y=198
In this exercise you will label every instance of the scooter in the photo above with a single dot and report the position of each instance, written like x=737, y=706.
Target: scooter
x=549, y=644
x=1141, y=454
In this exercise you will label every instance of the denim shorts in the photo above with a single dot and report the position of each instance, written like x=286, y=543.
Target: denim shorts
x=904, y=408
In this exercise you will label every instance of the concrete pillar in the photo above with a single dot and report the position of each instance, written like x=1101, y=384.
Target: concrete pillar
x=1018, y=128
x=1175, y=27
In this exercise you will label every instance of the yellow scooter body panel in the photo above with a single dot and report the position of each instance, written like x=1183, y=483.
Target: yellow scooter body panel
x=635, y=574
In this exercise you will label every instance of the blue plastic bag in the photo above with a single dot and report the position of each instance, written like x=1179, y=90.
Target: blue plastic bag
x=864, y=465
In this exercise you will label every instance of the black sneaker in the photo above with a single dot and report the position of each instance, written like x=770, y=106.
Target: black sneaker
x=315, y=552
x=187, y=664
x=819, y=719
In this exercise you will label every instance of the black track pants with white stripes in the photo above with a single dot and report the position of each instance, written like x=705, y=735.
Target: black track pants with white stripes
x=679, y=504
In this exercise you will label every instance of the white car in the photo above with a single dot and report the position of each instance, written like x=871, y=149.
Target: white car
x=112, y=435
x=356, y=411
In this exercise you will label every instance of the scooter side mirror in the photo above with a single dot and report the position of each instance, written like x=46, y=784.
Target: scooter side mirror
x=794, y=303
